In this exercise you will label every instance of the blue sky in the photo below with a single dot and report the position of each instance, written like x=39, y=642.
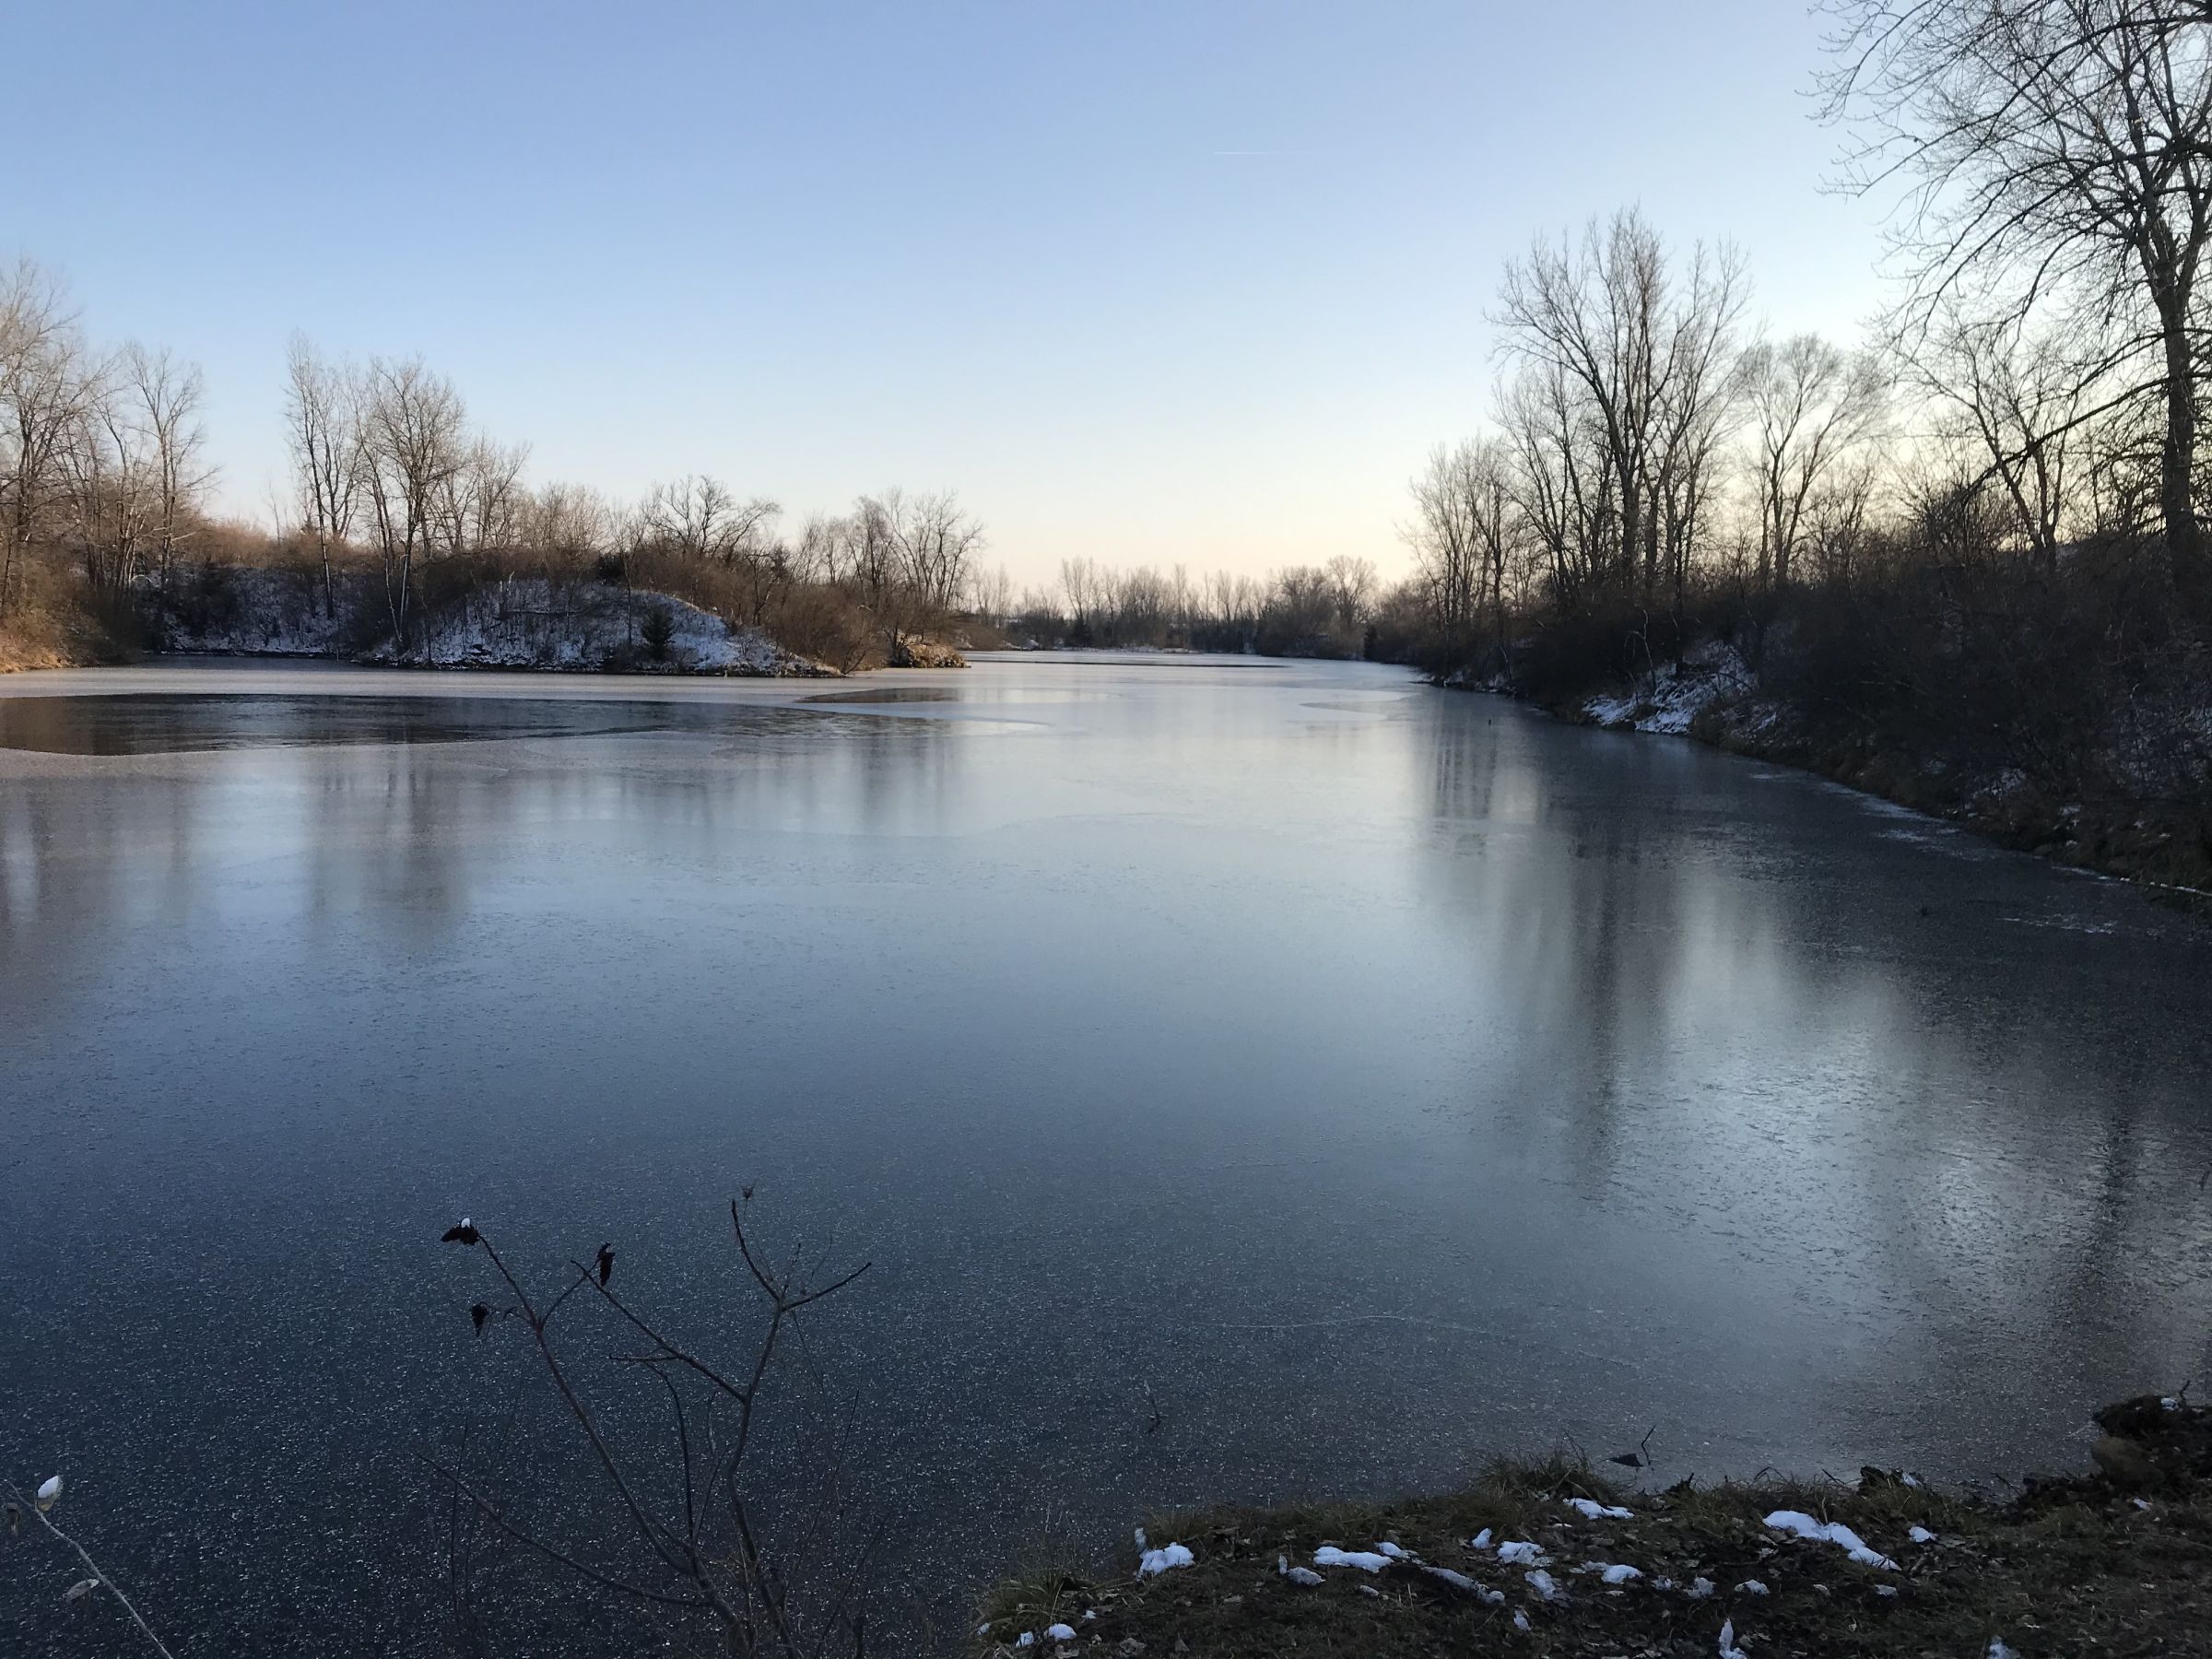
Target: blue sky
x=1150, y=283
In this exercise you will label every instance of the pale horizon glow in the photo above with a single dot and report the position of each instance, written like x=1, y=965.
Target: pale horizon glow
x=1150, y=283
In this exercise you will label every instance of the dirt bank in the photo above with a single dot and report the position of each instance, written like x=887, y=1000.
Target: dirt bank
x=1558, y=1559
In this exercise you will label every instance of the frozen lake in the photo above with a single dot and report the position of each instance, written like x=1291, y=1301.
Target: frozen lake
x=1381, y=1076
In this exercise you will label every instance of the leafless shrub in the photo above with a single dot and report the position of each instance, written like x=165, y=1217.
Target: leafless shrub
x=761, y=1557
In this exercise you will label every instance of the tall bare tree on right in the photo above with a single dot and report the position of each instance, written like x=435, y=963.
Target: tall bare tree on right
x=2051, y=154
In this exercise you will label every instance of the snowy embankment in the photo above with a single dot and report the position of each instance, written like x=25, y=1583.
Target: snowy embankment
x=244, y=611
x=583, y=628
x=527, y=622
x=1677, y=693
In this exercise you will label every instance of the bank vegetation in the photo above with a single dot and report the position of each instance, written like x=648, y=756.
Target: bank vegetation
x=409, y=532
x=1964, y=563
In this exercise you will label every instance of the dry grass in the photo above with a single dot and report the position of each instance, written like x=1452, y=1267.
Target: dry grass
x=51, y=621
x=2071, y=1567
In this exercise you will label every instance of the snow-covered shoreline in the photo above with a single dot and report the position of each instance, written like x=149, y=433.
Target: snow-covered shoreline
x=527, y=623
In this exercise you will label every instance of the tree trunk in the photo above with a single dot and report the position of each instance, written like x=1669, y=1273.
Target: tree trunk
x=2177, y=459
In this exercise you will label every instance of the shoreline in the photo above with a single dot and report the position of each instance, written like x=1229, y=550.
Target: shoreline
x=1556, y=1558
x=1718, y=704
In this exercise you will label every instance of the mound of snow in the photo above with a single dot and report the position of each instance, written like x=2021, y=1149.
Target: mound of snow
x=529, y=622
x=1366, y=1561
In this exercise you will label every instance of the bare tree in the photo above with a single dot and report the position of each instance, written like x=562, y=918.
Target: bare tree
x=1353, y=582
x=878, y=567
x=700, y=517
x=1083, y=584
x=2055, y=151
x=47, y=392
x=413, y=427
x=2017, y=400
x=936, y=539
x=323, y=429
x=479, y=505
x=1467, y=534
x=568, y=523
x=1447, y=546
x=169, y=396
x=1812, y=407
x=1645, y=355
x=1700, y=400
x=991, y=594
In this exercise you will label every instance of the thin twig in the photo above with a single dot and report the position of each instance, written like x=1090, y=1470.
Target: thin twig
x=96, y=1569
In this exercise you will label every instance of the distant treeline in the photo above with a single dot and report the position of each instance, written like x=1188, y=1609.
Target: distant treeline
x=1308, y=610
x=400, y=508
